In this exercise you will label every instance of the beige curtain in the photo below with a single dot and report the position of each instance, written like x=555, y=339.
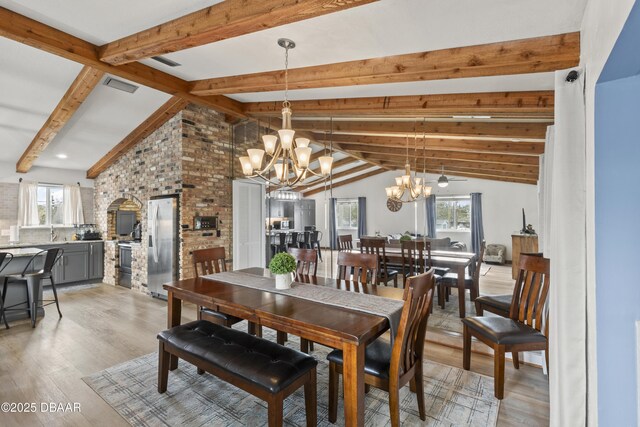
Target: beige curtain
x=28, y=204
x=72, y=205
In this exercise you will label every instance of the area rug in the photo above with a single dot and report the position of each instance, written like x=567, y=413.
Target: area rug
x=453, y=397
x=448, y=319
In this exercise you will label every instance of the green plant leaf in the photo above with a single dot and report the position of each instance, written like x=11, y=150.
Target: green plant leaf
x=282, y=263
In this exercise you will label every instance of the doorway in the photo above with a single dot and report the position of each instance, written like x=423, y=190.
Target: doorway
x=248, y=224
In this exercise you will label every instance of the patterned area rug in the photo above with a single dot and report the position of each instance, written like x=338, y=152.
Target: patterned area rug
x=453, y=397
x=449, y=318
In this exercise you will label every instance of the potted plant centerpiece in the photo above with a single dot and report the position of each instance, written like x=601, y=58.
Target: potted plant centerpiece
x=282, y=266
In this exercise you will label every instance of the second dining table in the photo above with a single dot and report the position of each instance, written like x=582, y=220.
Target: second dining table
x=454, y=260
x=322, y=322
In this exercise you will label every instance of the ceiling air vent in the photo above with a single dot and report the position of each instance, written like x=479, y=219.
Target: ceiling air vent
x=165, y=61
x=120, y=85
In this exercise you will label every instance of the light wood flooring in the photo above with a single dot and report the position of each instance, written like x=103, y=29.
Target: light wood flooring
x=105, y=325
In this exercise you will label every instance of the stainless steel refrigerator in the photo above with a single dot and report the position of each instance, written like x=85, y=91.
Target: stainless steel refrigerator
x=162, y=250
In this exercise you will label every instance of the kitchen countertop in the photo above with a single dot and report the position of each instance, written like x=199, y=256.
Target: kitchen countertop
x=32, y=244
x=23, y=252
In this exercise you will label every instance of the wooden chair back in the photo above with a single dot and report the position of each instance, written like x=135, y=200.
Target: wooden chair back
x=210, y=261
x=306, y=261
x=408, y=347
x=375, y=246
x=345, y=242
x=363, y=267
x=413, y=259
x=531, y=290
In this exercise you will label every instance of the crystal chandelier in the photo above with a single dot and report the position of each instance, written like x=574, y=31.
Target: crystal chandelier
x=290, y=159
x=409, y=187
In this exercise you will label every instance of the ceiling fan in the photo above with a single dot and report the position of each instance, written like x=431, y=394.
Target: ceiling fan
x=443, y=181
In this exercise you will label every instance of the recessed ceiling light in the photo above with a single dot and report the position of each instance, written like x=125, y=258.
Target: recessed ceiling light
x=165, y=61
x=120, y=85
x=61, y=156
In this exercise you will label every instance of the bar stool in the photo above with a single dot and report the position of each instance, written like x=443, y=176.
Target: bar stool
x=306, y=242
x=33, y=282
x=3, y=258
x=316, y=237
x=293, y=240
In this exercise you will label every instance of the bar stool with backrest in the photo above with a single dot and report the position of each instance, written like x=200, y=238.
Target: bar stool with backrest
x=293, y=239
x=306, y=240
x=345, y=242
x=4, y=262
x=471, y=282
x=526, y=328
x=210, y=261
x=33, y=282
x=316, y=237
x=390, y=367
x=377, y=247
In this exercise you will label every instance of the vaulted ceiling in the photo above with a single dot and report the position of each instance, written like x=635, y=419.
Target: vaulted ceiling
x=467, y=86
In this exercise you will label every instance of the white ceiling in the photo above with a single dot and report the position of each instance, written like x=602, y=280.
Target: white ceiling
x=32, y=82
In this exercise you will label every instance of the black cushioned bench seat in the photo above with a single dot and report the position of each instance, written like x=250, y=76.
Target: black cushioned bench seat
x=258, y=366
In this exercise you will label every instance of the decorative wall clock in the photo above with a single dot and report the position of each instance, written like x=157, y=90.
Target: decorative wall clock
x=394, y=205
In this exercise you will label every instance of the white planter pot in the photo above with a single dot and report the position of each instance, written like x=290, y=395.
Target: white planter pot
x=283, y=281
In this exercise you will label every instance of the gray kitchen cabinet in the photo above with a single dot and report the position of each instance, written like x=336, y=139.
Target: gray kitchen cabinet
x=75, y=266
x=96, y=260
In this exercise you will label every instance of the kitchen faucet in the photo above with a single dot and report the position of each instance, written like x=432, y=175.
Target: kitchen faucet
x=54, y=236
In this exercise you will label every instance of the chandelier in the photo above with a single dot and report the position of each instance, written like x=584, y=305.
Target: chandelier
x=409, y=187
x=289, y=159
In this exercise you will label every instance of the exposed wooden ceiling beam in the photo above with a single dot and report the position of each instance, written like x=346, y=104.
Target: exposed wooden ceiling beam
x=467, y=145
x=336, y=176
x=400, y=155
x=487, y=172
x=512, y=104
x=453, y=164
x=508, y=130
x=154, y=121
x=488, y=175
x=33, y=33
x=534, y=55
x=231, y=18
x=79, y=90
x=344, y=182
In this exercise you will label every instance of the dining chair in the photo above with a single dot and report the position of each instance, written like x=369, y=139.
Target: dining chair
x=471, y=281
x=345, y=242
x=496, y=304
x=306, y=269
x=5, y=260
x=306, y=262
x=377, y=246
x=362, y=268
x=211, y=261
x=390, y=367
x=33, y=280
x=526, y=328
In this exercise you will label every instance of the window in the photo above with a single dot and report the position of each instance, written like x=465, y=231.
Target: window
x=453, y=213
x=50, y=198
x=347, y=214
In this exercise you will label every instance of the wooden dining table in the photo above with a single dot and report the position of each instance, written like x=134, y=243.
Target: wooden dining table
x=333, y=326
x=454, y=260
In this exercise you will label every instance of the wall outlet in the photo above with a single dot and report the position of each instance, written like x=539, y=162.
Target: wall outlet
x=5, y=232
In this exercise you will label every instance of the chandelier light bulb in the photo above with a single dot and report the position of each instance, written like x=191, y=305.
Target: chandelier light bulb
x=255, y=156
x=281, y=171
x=389, y=191
x=398, y=181
x=302, y=142
x=426, y=191
x=325, y=165
x=406, y=179
x=303, y=155
x=270, y=142
x=246, y=165
x=286, y=138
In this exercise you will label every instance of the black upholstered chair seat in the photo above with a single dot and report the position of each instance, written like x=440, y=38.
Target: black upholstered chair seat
x=224, y=318
x=441, y=271
x=500, y=302
x=264, y=363
x=451, y=279
x=377, y=358
x=504, y=331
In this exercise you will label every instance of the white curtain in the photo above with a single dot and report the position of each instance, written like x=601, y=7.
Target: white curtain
x=544, y=190
x=565, y=244
x=72, y=205
x=28, y=204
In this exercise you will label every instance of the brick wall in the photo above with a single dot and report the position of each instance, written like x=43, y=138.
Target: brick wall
x=191, y=155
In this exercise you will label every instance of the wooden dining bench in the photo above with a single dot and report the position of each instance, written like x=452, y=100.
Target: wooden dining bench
x=262, y=368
